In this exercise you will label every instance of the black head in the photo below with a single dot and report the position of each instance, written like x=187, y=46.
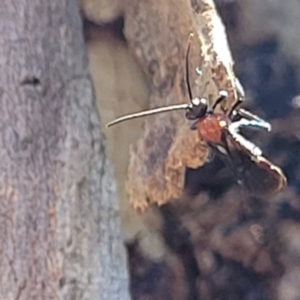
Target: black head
x=197, y=109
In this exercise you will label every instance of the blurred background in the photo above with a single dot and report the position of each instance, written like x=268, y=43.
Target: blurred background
x=216, y=242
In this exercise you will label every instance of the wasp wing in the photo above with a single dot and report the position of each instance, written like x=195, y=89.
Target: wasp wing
x=257, y=174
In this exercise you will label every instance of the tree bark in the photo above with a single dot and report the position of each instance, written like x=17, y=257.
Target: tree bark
x=59, y=227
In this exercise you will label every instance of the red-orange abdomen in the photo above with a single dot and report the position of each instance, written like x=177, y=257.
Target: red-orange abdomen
x=210, y=127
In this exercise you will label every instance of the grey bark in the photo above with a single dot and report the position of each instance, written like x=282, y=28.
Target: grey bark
x=59, y=227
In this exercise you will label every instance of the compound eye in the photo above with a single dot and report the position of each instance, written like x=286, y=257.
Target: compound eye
x=198, y=109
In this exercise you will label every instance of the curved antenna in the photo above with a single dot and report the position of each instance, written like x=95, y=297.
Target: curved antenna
x=187, y=70
x=149, y=112
x=187, y=79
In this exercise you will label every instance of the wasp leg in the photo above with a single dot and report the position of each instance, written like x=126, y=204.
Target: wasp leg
x=222, y=96
x=250, y=120
x=233, y=112
x=250, y=116
x=233, y=130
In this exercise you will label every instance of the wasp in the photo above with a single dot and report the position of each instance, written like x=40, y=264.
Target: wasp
x=222, y=133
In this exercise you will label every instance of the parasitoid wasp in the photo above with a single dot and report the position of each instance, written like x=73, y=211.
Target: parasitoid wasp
x=221, y=131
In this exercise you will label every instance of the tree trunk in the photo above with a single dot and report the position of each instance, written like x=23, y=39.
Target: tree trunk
x=59, y=226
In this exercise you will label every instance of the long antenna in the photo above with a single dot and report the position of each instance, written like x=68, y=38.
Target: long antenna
x=187, y=69
x=149, y=112
x=165, y=108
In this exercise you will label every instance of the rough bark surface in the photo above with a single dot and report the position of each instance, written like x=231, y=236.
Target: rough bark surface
x=59, y=226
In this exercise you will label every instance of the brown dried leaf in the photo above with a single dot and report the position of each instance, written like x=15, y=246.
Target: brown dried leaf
x=167, y=145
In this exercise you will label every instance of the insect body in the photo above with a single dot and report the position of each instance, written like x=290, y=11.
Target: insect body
x=210, y=128
x=221, y=131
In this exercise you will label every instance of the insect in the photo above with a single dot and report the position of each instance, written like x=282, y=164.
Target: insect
x=221, y=131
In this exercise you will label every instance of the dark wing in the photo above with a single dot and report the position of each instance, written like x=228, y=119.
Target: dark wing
x=257, y=174
x=263, y=178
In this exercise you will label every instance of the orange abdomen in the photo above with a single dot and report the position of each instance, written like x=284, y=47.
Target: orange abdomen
x=210, y=127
